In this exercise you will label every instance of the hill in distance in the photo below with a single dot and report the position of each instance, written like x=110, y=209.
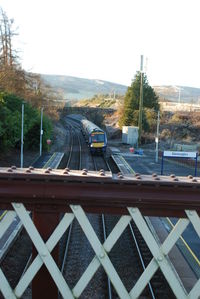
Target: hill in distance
x=74, y=88
x=182, y=94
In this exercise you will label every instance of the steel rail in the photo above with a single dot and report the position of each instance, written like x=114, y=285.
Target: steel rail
x=70, y=228
x=104, y=161
x=80, y=152
x=74, y=127
x=27, y=265
x=66, y=248
x=136, y=244
x=141, y=259
x=104, y=236
x=107, y=164
x=127, y=167
x=75, y=123
x=48, y=164
x=71, y=225
x=94, y=162
x=71, y=147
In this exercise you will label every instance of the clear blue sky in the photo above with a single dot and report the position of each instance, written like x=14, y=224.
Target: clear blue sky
x=103, y=39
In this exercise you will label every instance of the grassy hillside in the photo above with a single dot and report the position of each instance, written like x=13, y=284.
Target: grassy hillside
x=73, y=88
x=101, y=101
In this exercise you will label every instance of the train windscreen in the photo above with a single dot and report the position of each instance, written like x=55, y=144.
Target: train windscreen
x=97, y=137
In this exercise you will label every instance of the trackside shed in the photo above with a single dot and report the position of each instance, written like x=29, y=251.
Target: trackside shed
x=130, y=135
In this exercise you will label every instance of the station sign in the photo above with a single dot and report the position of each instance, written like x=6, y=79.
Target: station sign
x=179, y=154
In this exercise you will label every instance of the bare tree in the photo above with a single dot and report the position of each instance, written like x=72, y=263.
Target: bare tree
x=8, y=56
x=14, y=79
x=11, y=74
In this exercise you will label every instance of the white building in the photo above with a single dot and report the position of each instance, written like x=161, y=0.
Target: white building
x=130, y=135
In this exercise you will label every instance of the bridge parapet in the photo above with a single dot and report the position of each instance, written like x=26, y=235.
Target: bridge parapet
x=76, y=192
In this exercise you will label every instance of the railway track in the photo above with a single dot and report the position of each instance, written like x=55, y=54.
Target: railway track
x=130, y=239
x=130, y=255
x=78, y=253
x=134, y=240
x=131, y=246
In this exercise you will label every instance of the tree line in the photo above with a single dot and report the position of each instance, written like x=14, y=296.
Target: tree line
x=18, y=86
x=10, y=124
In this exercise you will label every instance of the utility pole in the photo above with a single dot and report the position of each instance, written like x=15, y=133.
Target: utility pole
x=41, y=131
x=157, y=136
x=22, y=135
x=179, y=95
x=141, y=101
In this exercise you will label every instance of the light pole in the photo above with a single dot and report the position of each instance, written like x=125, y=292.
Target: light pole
x=41, y=131
x=22, y=135
x=157, y=136
x=141, y=101
x=179, y=95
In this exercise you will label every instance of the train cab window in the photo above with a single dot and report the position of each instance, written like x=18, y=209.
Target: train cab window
x=97, y=137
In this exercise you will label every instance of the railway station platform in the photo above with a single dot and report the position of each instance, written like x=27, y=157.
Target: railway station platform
x=188, y=266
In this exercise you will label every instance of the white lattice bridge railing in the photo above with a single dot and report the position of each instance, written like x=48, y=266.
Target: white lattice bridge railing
x=133, y=197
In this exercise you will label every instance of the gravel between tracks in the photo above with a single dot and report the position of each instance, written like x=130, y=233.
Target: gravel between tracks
x=17, y=258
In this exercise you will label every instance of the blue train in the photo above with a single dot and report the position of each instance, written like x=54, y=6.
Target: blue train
x=96, y=137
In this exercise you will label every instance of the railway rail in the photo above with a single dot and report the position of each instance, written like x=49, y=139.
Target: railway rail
x=76, y=245
x=101, y=164
x=73, y=253
x=143, y=254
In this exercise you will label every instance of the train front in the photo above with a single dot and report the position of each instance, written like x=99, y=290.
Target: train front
x=98, y=142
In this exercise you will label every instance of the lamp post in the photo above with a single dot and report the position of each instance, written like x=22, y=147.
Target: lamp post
x=22, y=136
x=141, y=101
x=41, y=131
x=157, y=136
x=179, y=95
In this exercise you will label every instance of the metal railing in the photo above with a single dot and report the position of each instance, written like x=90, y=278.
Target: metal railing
x=48, y=192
